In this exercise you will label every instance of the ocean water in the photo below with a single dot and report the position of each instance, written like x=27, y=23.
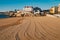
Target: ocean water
x=4, y=16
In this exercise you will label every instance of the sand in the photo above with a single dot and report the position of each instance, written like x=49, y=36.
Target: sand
x=33, y=28
x=6, y=22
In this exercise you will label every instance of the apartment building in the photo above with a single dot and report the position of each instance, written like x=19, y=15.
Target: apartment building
x=59, y=8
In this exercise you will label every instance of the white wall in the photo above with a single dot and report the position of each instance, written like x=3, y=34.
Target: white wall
x=28, y=9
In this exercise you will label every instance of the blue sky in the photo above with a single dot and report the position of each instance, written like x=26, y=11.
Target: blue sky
x=6, y=5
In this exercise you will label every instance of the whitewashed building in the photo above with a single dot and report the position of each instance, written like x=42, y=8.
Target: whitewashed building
x=27, y=9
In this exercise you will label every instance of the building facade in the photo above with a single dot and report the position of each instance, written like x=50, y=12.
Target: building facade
x=28, y=10
x=59, y=8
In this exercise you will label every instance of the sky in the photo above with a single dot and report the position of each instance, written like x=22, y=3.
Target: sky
x=8, y=5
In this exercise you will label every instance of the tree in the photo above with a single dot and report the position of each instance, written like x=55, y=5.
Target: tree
x=37, y=8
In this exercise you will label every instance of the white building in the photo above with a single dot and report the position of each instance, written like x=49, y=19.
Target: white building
x=28, y=8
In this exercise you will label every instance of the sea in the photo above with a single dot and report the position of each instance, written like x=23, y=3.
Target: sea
x=4, y=16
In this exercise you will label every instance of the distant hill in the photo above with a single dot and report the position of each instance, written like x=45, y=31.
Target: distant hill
x=4, y=13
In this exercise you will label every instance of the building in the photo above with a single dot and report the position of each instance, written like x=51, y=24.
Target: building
x=54, y=10
x=27, y=10
x=59, y=8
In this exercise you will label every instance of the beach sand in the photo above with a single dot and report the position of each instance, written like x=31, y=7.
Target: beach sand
x=6, y=22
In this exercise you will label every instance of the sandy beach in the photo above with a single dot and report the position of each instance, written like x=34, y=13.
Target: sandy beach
x=31, y=28
x=6, y=22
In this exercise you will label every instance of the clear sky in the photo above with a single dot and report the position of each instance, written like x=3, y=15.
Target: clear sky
x=6, y=5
